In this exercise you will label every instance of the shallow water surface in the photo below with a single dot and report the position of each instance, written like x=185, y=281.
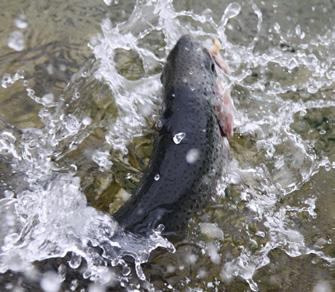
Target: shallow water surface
x=80, y=95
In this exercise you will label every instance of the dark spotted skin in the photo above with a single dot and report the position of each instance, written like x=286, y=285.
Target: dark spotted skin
x=182, y=187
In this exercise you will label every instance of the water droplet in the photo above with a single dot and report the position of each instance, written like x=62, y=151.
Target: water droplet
x=8, y=79
x=126, y=271
x=16, y=41
x=74, y=167
x=72, y=124
x=213, y=253
x=50, y=282
x=302, y=113
x=157, y=177
x=9, y=194
x=179, y=137
x=47, y=99
x=86, y=121
x=160, y=228
x=211, y=230
x=276, y=27
x=128, y=175
x=232, y=10
x=30, y=92
x=159, y=124
x=108, y=2
x=298, y=30
x=62, y=67
x=312, y=87
x=76, y=95
x=124, y=195
x=75, y=261
x=102, y=159
x=293, y=63
x=74, y=285
x=21, y=22
x=84, y=74
x=192, y=155
x=322, y=286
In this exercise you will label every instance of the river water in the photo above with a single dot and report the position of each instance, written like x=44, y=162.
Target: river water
x=80, y=95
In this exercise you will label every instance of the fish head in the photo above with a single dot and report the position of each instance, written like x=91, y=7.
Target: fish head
x=189, y=64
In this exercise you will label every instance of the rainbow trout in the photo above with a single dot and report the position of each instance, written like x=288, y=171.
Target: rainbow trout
x=189, y=153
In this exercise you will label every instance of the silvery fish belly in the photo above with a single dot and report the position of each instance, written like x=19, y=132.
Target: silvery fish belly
x=189, y=153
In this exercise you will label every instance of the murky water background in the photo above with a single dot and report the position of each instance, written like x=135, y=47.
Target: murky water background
x=79, y=97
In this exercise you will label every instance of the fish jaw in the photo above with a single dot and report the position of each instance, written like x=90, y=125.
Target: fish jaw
x=214, y=51
x=224, y=105
x=224, y=109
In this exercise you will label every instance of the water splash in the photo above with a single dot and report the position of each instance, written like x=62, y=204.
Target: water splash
x=50, y=217
x=278, y=75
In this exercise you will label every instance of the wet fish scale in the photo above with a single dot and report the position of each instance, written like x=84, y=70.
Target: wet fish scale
x=182, y=187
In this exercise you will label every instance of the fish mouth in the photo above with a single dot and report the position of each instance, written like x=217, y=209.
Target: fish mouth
x=214, y=52
x=224, y=108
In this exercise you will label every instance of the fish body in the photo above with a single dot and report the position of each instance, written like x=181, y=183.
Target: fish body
x=189, y=153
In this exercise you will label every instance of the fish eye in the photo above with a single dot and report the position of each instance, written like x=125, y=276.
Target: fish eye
x=212, y=67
